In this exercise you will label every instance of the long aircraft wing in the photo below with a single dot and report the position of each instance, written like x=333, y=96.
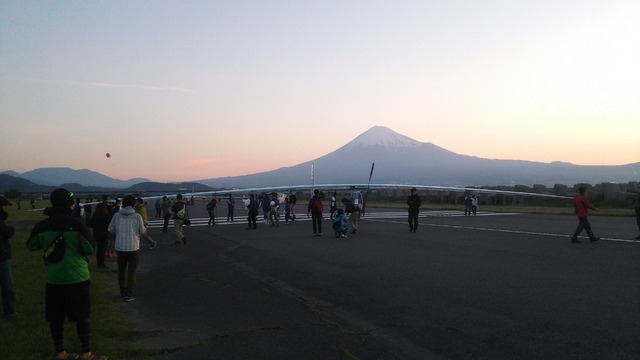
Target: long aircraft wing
x=286, y=188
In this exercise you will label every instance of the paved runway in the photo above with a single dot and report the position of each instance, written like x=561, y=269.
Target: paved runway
x=491, y=286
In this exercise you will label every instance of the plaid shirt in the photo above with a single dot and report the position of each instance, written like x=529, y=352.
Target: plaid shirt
x=127, y=226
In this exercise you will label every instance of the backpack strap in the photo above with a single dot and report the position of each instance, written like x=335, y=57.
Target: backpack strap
x=44, y=254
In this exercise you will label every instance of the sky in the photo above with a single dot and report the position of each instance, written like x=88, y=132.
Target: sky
x=189, y=90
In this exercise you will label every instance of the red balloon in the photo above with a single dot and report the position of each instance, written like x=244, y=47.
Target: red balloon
x=108, y=155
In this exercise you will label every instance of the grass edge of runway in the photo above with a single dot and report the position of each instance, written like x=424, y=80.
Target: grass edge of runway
x=27, y=336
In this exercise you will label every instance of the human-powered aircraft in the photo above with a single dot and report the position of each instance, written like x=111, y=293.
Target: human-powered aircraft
x=358, y=192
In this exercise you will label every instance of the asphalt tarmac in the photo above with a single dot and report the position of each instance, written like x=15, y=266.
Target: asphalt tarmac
x=491, y=286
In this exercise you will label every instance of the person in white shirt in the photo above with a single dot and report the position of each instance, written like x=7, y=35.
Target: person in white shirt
x=127, y=226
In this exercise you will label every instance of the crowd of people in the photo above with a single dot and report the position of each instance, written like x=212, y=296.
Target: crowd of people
x=65, y=238
x=66, y=241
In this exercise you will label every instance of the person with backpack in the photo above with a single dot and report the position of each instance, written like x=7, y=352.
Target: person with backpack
x=67, y=278
x=315, y=209
x=179, y=210
x=353, y=211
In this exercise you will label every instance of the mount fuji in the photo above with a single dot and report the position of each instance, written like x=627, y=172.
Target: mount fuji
x=401, y=160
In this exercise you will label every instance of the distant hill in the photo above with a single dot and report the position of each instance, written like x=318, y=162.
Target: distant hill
x=56, y=176
x=10, y=172
x=399, y=159
x=9, y=182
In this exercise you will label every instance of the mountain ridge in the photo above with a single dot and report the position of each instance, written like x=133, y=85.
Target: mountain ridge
x=55, y=176
x=398, y=160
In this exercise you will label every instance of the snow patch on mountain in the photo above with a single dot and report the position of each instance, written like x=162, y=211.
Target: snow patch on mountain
x=385, y=137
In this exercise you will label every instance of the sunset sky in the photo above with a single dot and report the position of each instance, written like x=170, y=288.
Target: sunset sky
x=188, y=90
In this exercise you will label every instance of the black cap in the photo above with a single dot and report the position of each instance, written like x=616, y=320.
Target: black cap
x=61, y=198
x=4, y=201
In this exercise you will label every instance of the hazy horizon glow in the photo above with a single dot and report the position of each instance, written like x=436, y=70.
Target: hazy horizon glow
x=197, y=90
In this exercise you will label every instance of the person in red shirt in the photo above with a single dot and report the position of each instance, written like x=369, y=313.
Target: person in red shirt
x=582, y=205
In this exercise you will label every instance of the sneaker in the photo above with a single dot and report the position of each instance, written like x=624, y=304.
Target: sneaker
x=128, y=298
x=594, y=239
x=184, y=241
x=575, y=241
x=343, y=235
x=153, y=246
x=95, y=357
x=70, y=356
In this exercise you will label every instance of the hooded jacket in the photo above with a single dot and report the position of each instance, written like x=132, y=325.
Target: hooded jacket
x=127, y=226
x=342, y=221
x=74, y=266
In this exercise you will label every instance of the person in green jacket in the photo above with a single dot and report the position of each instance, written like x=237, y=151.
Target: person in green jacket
x=67, y=279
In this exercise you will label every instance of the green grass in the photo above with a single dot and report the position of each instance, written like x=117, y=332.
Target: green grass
x=27, y=335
